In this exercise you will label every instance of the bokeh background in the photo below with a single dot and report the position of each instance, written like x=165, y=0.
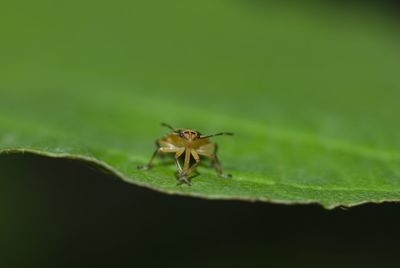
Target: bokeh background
x=292, y=63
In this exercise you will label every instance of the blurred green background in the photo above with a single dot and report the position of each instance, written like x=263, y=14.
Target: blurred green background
x=329, y=68
x=295, y=64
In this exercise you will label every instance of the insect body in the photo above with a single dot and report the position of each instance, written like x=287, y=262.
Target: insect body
x=189, y=144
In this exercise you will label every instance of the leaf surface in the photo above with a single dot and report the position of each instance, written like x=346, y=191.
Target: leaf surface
x=313, y=100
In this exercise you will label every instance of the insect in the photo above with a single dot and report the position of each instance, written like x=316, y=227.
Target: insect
x=189, y=144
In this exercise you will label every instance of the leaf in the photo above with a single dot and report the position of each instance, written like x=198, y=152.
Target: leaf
x=312, y=97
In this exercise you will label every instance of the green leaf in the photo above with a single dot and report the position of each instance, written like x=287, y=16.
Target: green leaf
x=313, y=97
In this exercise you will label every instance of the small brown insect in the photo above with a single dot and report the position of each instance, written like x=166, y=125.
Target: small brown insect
x=189, y=143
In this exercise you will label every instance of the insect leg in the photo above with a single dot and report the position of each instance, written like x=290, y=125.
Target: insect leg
x=149, y=164
x=183, y=174
x=217, y=164
x=215, y=153
x=176, y=156
x=156, y=152
x=193, y=167
x=215, y=161
x=187, y=159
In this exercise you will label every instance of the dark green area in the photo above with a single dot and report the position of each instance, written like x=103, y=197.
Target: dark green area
x=311, y=91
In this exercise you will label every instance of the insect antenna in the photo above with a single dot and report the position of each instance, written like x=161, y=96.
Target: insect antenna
x=217, y=134
x=168, y=126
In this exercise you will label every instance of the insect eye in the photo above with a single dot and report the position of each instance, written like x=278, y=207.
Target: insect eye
x=181, y=134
